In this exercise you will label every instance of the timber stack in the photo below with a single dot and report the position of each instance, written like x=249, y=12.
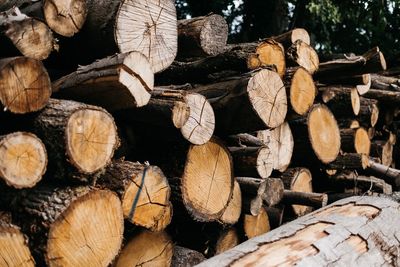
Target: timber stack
x=159, y=144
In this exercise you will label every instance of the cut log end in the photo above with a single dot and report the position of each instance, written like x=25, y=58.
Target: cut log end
x=91, y=139
x=65, y=17
x=355, y=101
x=300, y=34
x=304, y=55
x=302, y=91
x=89, y=232
x=25, y=85
x=23, y=159
x=207, y=181
x=323, y=133
x=268, y=53
x=268, y=96
x=233, y=210
x=374, y=114
x=159, y=41
x=301, y=181
x=214, y=35
x=147, y=249
x=227, y=240
x=362, y=142
x=256, y=225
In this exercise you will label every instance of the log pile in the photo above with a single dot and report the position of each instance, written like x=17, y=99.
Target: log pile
x=159, y=144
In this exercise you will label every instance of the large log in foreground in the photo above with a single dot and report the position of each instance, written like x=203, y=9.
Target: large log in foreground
x=353, y=231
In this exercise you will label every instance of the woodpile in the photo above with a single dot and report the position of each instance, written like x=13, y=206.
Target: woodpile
x=159, y=144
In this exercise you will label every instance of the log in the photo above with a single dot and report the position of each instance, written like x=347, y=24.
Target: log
x=280, y=142
x=383, y=96
x=355, y=140
x=184, y=257
x=303, y=55
x=343, y=103
x=23, y=159
x=26, y=85
x=117, y=82
x=232, y=212
x=347, y=232
x=288, y=38
x=300, y=89
x=350, y=161
x=252, y=161
x=202, y=36
x=390, y=175
x=228, y=239
x=369, y=111
x=147, y=249
x=361, y=82
x=256, y=225
x=92, y=218
x=298, y=180
x=382, y=150
x=315, y=200
x=352, y=179
x=29, y=36
x=385, y=83
x=144, y=192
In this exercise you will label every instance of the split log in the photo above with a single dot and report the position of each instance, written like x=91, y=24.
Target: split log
x=92, y=218
x=343, y=103
x=202, y=36
x=385, y=83
x=355, y=140
x=256, y=225
x=31, y=37
x=184, y=257
x=280, y=142
x=315, y=200
x=147, y=249
x=252, y=161
x=323, y=238
x=144, y=192
x=382, y=150
x=288, y=38
x=390, y=175
x=117, y=82
x=352, y=179
x=300, y=89
x=302, y=54
x=23, y=159
x=25, y=85
x=350, y=161
x=232, y=212
x=361, y=82
x=298, y=180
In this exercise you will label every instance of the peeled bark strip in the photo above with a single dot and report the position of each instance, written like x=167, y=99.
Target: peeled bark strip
x=355, y=140
x=302, y=54
x=23, y=159
x=184, y=257
x=147, y=249
x=117, y=82
x=350, y=161
x=80, y=139
x=92, y=218
x=144, y=192
x=280, y=142
x=288, y=38
x=25, y=85
x=14, y=250
x=316, y=200
x=298, y=180
x=301, y=89
x=232, y=212
x=382, y=150
x=31, y=37
x=252, y=161
x=202, y=36
x=256, y=225
x=344, y=103
x=247, y=103
x=353, y=231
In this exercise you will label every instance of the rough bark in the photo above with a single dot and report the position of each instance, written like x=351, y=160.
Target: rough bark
x=184, y=257
x=303, y=55
x=350, y=161
x=385, y=83
x=350, y=179
x=355, y=141
x=361, y=82
x=343, y=103
x=252, y=161
x=390, y=175
x=315, y=200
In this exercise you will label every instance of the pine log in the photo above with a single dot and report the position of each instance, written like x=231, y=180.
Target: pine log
x=252, y=102
x=350, y=161
x=361, y=82
x=144, y=192
x=382, y=150
x=147, y=249
x=343, y=103
x=315, y=200
x=184, y=257
x=25, y=85
x=31, y=37
x=92, y=219
x=232, y=212
x=288, y=38
x=353, y=231
x=280, y=142
x=355, y=140
x=202, y=36
x=390, y=175
x=300, y=89
x=303, y=55
x=256, y=225
x=252, y=161
x=117, y=82
x=23, y=159
x=352, y=179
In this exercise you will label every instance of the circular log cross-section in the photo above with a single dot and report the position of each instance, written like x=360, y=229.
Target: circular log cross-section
x=234, y=209
x=355, y=140
x=207, y=181
x=23, y=159
x=147, y=249
x=303, y=55
x=256, y=225
x=288, y=38
x=324, y=134
x=149, y=27
x=25, y=85
x=302, y=91
x=268, y=53
x=65, y=17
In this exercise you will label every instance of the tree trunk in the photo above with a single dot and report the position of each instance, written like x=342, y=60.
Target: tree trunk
x=324, y=238
x=288, y=38
x=144, y=192
x=232, y=212
x=31, y=37
x=355, y=140
x=25, y=85
x=202, y=36
x=23, y=159
x=86, y=214
x=117, y=82
x=184, y=257
x=252, y=161
x=303, y=55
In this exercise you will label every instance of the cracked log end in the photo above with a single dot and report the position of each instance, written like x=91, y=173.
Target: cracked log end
x=65, y=17
x=302, y=91
x=89, y=232
x=23, y=159
x=207, y=181
x=25, y=85
x=91, y=138
x=268, y=97
x=256, y=225
x=323, y=132
x=147, y=249
x=14, y=250
x=268, y=53
x=148, y=27
x=234, y=209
